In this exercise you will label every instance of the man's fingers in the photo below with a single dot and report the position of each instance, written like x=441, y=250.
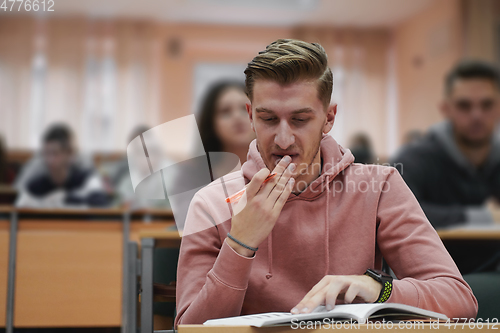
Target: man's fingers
x=283, y=196
x=322, y=284
x=282, y=164
x=335, y=288
x=328, y=290
x=281, y=185
x=317, y=287
x=311, y=301
x=256, y=182
x=278, y=170
x=315, y=301
x=351, y=293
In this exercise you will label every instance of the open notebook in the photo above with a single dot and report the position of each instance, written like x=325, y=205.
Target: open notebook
x=358, y=312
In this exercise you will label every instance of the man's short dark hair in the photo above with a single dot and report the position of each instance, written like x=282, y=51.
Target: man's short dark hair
x=472, y=69
x=59, y=133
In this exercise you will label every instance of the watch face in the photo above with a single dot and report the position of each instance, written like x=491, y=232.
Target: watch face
x=373, y=275
x=385, y=280
x=378, y=275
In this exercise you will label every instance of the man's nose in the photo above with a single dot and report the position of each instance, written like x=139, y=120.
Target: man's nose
x=284, y=138
x=477, y=112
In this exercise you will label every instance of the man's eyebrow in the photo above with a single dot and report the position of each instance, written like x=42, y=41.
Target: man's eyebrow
x=263, y=110
x=303, y=110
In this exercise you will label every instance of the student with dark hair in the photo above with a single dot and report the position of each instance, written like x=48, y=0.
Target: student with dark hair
x=62, y=182
x=119, y=174
x=223, y=121
x=361, y=148
x=454, y=170
x=225, y=132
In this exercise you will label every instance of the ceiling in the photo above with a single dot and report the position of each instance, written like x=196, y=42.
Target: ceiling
x=355, y=13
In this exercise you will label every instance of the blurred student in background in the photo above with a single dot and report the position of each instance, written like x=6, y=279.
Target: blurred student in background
x=118, y=172
x=150, y=192
x=224, y=128
x=412, y=136
x=454, y=170
x=223, y=120
x=61, y=182
x=361, y=148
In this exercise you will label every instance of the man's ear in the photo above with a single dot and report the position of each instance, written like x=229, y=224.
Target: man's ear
x=444, y=107
x=250, y=115
x=331, y=112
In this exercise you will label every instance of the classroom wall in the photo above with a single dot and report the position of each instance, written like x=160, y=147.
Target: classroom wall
x=97, y=76
x=481, y=18
x=154, y=64
x=185, y=45
x=426, y=46
x=361, y=53
x=359, y=61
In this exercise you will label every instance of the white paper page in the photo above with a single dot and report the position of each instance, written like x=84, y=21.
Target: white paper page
x=359, y=312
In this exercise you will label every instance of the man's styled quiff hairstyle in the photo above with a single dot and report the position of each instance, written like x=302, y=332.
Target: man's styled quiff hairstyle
x=287, y=61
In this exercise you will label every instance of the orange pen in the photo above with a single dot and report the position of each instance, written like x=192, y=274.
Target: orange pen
x=237, y=196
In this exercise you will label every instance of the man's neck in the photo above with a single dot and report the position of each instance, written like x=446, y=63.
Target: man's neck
x=311, y=174
x=60, y=177
x=477, y=155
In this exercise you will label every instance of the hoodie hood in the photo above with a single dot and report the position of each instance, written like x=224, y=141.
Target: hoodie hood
x=443, y=133
x=334, y=159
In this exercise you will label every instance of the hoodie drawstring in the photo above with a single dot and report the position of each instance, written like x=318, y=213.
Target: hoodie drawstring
x=270, y=256
x=327, y=239
x=327, y=227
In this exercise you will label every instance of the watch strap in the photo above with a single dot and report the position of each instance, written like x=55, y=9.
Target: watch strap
x=385, y=280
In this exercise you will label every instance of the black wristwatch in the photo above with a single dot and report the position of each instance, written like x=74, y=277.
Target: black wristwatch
x=385, y=280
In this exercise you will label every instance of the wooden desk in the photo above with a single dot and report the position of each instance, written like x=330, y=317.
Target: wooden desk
x=69, y=273
x=473, y=248
x=4, y=259
x=70, y=264
x=169, y=238
x=165, y=238
x=8, y=194
x=356, y=328
x=461, y=233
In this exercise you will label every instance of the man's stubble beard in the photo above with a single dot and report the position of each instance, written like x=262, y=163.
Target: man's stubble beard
x=473, y=144
x=316, y=150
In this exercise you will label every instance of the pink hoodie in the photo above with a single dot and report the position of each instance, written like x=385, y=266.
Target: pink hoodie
x=342, y=224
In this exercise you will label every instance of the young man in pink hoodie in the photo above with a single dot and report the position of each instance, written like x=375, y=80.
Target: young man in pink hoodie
x=315, y=232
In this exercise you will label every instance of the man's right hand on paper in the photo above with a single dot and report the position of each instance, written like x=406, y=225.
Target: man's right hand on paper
x=262, y=206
